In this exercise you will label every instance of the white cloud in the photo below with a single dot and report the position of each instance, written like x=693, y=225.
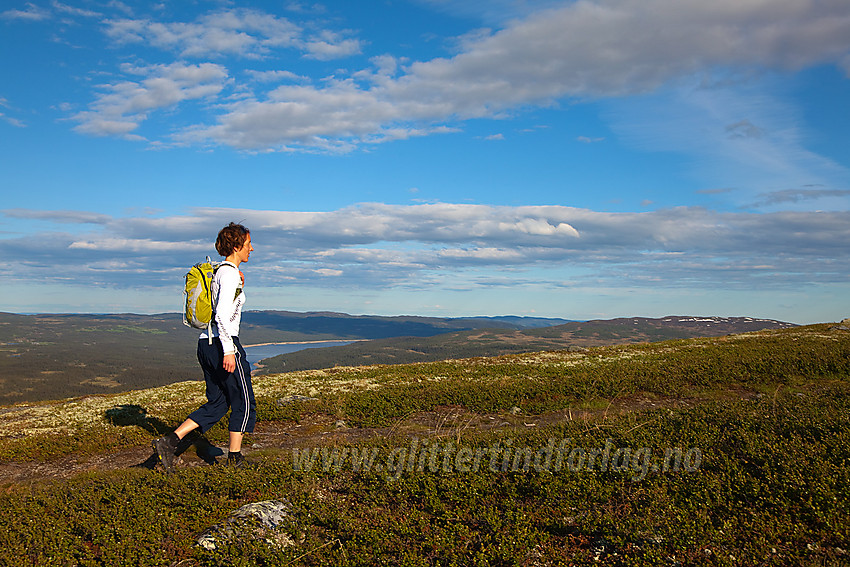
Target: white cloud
x=126, y=245
x=273, y=76
x=490, y=256
x=540, y=227
x=246, y=33
x=74, y=11
x=12, y=121
x=375, y=245
x=32, y=13
x=538, y=53
x=329, y=273
x=330, y=45
x=581, y=50
x=798, y=195
x=70, y=217
x=125, y=105
x=745, y=135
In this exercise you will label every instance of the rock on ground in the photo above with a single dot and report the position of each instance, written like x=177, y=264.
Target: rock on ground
x=258, y=521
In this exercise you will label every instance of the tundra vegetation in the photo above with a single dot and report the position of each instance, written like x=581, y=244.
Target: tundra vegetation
x=739, y=449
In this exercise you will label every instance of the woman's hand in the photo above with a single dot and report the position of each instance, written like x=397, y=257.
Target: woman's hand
x=229, y=362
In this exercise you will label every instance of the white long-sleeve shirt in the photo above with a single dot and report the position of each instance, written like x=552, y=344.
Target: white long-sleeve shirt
x=228, y=298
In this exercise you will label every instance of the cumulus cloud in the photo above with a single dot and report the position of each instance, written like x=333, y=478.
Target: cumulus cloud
x=246, y=33
x=125, y=105
x=331, y=45
x=579, y=50
x=273, y=76
x=545, y=53
x=376, y=245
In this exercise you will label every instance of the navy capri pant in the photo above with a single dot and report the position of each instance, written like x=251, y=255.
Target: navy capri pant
x=226, y=390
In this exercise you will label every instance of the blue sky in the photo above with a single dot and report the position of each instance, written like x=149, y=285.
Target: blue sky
x=583, y=160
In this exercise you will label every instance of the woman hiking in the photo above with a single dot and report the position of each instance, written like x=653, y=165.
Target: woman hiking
x=227, y=372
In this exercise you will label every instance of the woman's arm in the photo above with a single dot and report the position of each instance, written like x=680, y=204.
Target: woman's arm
x=226, y=311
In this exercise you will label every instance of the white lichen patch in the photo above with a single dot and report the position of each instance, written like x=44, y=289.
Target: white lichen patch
x=315, y=382
x=68, y=415
x=552, y=358
x=103, y=382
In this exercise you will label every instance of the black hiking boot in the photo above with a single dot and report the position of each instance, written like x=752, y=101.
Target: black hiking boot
x=165, y=448
x=237, y=460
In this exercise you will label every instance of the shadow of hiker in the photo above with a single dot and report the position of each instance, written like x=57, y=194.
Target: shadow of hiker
x=205, y=450
x=131, y=414
x=127, y=415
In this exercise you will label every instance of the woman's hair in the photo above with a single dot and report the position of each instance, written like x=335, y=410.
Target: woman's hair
x=231, y=238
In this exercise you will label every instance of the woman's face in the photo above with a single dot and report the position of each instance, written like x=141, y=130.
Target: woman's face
x=244, y=252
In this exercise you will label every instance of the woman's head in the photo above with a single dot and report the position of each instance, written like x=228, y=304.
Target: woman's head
x=231, y=238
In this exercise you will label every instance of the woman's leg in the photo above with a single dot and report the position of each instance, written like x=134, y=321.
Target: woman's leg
x=243, y=408
x=210, y=357
x=236, y=441
x=186, y=428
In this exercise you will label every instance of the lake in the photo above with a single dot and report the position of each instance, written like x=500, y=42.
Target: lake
x=259, y=352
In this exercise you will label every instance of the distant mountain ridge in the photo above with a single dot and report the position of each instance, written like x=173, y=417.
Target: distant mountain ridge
x=319, y=325
x=54, y=356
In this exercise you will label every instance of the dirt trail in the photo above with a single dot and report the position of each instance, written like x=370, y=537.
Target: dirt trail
x=274, y=440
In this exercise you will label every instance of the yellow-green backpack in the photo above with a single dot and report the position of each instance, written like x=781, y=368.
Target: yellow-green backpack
x=197, y=293
x=198, y=309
